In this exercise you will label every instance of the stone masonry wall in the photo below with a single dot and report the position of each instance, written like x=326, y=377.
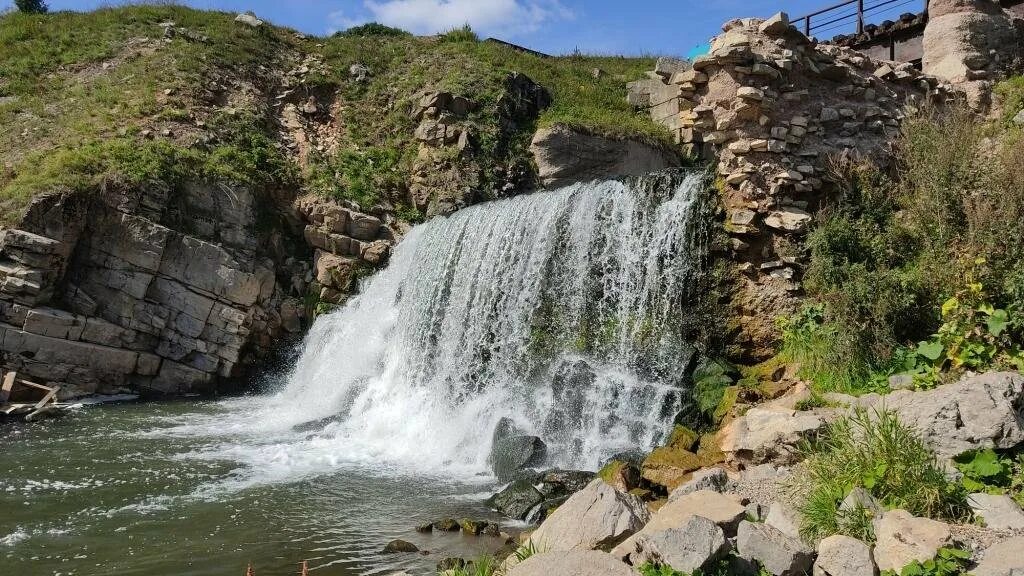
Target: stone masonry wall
x=774, y=110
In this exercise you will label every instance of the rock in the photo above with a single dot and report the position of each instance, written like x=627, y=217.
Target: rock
x=776, y=25
x=564, y=482
x=396, y=546
x=779, y=554
x=516, y=500
x=447, y=525
x=720, y=509
x=249, y=19
x=789, y=219
x=844, y=556
x=359, y=72
x=859, y=498
x=714, y=479
x=750, y=93
x=902, y=538
x=565, y=156
x=425, y=528
x=575, y=563
x=960, y=36
x=1019, y=118
x=671, y=466
x=472, y=527
x=999, y=511
x=622, y=476
x=695, y=544
x=1002, y=559
x=597, y=517
x=784, y=519
x=769, y=435
x=666, y=67
x=310, y=107
x=975, y=413
x=515, y=453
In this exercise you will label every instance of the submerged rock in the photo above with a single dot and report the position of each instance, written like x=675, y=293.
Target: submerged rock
x=397, y=546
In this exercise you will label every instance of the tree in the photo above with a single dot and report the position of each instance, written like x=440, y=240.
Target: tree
x=31, y=6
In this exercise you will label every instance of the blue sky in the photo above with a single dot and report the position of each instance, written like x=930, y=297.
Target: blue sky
x=552, y=26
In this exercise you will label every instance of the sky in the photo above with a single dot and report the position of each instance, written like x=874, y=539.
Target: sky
x=659, y=27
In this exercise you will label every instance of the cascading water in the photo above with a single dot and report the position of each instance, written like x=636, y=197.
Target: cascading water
x=556, y=309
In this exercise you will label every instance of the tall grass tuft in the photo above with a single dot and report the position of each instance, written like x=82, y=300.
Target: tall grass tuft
x=874, y=451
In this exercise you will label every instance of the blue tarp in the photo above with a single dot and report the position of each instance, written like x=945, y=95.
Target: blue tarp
x=699, y=50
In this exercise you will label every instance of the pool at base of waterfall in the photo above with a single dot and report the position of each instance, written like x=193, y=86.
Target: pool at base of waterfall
x=145, y=488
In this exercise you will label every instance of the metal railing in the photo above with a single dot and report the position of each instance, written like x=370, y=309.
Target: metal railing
x=850, y=13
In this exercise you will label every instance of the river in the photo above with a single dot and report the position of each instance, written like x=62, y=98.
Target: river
x=153, y=489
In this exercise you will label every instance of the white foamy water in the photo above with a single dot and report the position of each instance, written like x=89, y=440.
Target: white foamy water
x=557, y=310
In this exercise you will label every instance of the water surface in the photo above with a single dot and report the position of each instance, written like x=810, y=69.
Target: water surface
x=157, y=489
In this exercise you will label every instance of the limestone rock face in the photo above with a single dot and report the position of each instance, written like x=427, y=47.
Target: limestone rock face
x=903, y=538
x=984, y=411
x=844, y=556
x=565, y=156
x=144, y=289
x=575, y=563
x=597, y=517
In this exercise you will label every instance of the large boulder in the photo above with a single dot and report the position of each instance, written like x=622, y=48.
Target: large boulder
x=984, y=411
x=597, y=517
x=771, y=434
x=514, y=453
x=566, y=155
x=691, y=547
x=778, y=553
x=575, y=563
x=844, y=556
x=998, y=511
x=902, y=538
x=721, y=509
x=1002, y=559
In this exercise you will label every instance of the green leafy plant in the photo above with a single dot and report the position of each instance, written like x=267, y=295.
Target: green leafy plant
x=990, y=472
x=651, y=569
x=948, y=562
x=876, y=452
x=974, y=335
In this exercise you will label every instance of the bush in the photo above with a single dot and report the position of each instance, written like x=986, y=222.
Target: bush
x=890, y=249
x=372, y=29
x=876, y=452
x=31, y=6
x=464, y=34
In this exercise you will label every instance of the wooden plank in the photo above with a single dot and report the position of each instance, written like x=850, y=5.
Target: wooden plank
x=34, y=385
x=5, y=391
x=51, y=396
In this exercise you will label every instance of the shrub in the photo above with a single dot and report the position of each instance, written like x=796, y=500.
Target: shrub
x=372, y=29
x=31, y=6
x=464, y=34
x=874, y=451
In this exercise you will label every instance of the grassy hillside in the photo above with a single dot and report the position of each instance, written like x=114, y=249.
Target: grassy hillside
x=87, y=98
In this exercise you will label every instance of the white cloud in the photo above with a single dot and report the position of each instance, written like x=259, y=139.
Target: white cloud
x=506, y=18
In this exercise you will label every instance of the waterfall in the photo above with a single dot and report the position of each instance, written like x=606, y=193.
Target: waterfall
x=557, y=309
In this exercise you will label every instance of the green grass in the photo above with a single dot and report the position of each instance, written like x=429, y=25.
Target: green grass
x=61, y=104
x=876, y=452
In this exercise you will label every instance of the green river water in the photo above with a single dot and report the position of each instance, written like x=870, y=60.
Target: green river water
x=132, y=489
